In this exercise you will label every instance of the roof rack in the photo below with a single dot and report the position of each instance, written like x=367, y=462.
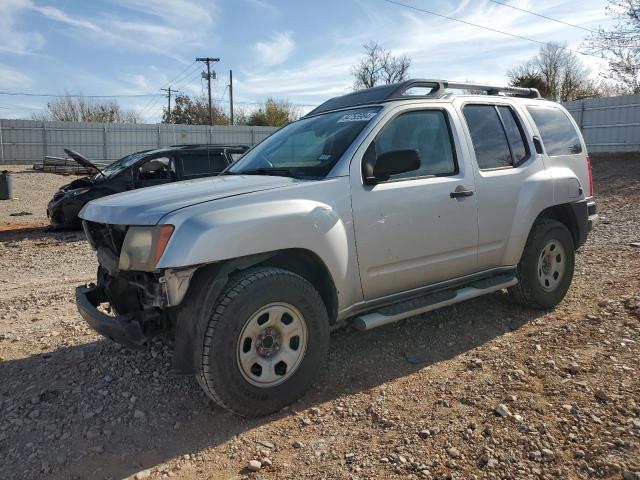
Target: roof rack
x=395, y=91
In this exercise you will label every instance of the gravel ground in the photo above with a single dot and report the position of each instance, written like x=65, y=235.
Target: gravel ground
x=484, y=389
x=32, y=190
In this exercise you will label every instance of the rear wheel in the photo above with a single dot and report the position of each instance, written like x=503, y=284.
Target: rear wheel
x=546, y=268
x=265, y=343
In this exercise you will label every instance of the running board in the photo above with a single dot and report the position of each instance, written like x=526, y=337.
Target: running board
x=433, y=301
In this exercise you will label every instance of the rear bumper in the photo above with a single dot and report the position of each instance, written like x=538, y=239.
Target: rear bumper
x=585, y=212
x=124, y=329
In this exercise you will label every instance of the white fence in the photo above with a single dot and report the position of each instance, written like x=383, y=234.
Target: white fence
x=29, y=141
x=610, y=124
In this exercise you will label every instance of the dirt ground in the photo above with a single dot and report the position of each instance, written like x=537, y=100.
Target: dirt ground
x=484, y=389
x=32, y=191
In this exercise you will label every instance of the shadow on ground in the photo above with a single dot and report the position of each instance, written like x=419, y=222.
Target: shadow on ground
x=38, y=230
x=85, y=413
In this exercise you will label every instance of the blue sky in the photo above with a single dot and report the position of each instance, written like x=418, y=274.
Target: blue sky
x=301, y=50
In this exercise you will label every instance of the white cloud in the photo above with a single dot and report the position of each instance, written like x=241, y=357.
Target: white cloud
x=11, y=79
x=58, y=15
x=164, y=27
x=276, y=50
x=12, y=39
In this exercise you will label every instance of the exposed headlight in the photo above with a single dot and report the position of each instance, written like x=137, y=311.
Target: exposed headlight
x=78, y=191
x=143, y=247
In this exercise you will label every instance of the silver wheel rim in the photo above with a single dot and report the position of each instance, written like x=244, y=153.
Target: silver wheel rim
x=272, y=345
x=552, y=263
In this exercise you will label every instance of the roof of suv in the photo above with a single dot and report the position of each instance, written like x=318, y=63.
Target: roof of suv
x=434, y=89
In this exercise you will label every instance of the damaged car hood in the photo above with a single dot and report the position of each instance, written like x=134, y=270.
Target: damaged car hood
x=81, y=159
x=147, y=206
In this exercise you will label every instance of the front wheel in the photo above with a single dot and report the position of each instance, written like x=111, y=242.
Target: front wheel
x=546, y=268
x=265, y=343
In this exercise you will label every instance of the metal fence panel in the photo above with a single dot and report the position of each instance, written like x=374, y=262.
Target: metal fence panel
x=29, y=141
x=610, y=124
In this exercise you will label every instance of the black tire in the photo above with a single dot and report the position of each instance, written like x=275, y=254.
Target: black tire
x=529, y=290
x=247, y=292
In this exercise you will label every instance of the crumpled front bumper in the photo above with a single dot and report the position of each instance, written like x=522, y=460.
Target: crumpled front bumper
x=123, y=329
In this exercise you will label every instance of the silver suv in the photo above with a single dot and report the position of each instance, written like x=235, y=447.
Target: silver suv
x=377, y=206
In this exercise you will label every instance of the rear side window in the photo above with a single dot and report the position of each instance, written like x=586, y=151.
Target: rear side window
x=559, y=136
x=427, y=132
x=488, y=136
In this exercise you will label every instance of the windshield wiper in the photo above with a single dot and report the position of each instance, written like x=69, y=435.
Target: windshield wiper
x=274, y=171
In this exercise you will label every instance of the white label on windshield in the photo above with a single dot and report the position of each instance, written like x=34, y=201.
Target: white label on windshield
x=357, y=117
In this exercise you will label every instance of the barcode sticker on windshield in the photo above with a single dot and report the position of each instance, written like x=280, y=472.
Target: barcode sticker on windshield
x=357, y=117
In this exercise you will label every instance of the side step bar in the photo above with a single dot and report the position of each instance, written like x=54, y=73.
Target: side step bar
x=433, y=301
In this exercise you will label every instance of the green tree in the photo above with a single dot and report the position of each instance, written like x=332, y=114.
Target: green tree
x=274, y=113
x=193, y=111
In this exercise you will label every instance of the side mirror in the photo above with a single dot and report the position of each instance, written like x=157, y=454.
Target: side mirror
x=380, y=168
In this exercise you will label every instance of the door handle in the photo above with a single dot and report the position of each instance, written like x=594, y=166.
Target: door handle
x=461, y=192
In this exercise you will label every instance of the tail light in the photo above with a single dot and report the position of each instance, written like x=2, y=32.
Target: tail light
x=591, y=189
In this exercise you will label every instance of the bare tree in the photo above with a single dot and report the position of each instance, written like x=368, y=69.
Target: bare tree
x=620, y=45
x=379, y=66
x=557, y=72
x=81, y=109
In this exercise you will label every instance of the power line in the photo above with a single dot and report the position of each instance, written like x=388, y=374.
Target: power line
x=153, y=102
x=262, y=103
x=67, y=95
x=543, y=16
x=186, y=78
x=495, y=30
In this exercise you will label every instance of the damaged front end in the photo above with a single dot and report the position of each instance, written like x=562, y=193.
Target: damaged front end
x=130, y=306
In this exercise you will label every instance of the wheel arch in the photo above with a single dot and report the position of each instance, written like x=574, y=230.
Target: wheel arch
x=565, y=214
x=210, y=280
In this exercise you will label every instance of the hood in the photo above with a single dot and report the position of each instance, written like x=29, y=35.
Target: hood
x=81, y=159
x=78, y=183
x=147, y=206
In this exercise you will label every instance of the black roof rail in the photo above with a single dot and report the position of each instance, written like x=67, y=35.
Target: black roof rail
x=217, y=145
x=438, y=89
x=496, y=90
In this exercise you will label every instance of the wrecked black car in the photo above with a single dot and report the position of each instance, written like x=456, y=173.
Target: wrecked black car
x=138, y=170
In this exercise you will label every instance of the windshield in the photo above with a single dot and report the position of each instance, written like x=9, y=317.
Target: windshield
x=308, y=148
x=119, y=165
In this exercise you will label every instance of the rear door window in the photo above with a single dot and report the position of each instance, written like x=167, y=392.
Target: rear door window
x=488, y=137
x=217, y=162
x=497, y=136
x=559, y=136
x=515, y=134
x=195, y=163
x=202, y=163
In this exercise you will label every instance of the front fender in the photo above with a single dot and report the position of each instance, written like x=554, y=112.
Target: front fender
x=318, y=219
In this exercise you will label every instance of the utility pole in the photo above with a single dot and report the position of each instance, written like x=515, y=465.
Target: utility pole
x=168, y=90
x=207, y=61
x=230, y=97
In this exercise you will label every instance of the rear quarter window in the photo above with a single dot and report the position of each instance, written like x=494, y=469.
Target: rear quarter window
x=559, y=136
